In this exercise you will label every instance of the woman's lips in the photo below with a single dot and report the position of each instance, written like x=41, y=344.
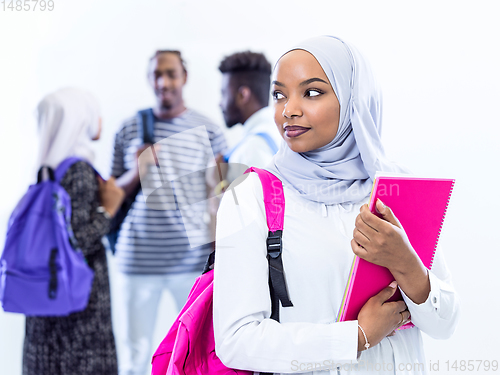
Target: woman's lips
x=293, y=131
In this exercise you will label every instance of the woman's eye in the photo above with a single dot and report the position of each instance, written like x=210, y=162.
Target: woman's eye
x=312, y=93
x=278, y=95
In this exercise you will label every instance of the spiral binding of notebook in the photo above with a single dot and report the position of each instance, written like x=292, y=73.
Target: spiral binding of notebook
x=420, y=204
x=442, y=221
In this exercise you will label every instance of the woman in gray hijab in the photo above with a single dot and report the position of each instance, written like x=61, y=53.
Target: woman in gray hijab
x=328, y=111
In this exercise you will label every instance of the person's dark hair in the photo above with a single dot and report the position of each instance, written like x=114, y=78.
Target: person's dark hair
x=249, y=69
x=175, y=52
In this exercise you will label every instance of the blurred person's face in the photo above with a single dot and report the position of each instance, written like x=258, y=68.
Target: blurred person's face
x=232, y=114
x=167, y=77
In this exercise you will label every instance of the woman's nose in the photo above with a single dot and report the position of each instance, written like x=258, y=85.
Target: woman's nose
x=292, y=108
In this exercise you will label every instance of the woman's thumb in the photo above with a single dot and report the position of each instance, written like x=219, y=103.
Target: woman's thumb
x=386, y=213
x=389, y=291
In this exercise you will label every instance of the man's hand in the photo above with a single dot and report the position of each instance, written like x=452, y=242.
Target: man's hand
x=111, y=196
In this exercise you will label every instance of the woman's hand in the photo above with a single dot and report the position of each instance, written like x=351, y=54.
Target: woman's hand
x=380, y=318
x=111, y=196
x=383, y=241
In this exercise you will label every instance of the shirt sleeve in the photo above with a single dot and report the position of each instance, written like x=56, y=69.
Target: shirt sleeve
x=217, y=140
x=438, y=316
x=245, y=336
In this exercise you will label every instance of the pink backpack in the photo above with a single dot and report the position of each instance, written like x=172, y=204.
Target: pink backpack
x=189, y=347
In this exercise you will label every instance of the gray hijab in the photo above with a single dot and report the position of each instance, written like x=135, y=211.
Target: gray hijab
x=343, y=170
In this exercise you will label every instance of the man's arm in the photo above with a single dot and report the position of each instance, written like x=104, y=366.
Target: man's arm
x=129, y=180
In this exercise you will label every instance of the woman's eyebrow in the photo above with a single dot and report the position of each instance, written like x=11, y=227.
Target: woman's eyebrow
x=306, y=82
x=311, y=80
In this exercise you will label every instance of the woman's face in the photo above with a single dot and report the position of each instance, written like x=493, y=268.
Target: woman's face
x=306, y=109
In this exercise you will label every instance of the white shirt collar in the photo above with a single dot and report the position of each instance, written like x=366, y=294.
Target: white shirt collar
x=262, y=116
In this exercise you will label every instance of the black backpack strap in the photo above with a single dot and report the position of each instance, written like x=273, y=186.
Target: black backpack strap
x=209, y=264
x=145, y=130
x=49, y=171
x=145, y=125
x=277, y=283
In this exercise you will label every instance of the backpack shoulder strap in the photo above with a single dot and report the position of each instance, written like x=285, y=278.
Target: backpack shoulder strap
x=269, y=140
x=63, y=167
x=145, y=125
x=274, y=201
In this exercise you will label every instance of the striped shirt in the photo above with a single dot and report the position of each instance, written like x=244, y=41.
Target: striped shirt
x=166, y=229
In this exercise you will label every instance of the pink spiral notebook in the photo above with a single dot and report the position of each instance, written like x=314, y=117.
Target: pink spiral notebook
x=420, y=204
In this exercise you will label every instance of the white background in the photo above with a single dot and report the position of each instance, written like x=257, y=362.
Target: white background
x=438, y=62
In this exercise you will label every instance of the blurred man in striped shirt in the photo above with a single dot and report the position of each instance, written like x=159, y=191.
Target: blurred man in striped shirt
x=164, y=240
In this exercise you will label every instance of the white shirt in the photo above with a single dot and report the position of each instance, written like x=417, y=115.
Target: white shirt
x=254, y=151
x=316, y=258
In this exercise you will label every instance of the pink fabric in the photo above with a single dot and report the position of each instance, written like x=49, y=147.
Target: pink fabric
x=189, y=347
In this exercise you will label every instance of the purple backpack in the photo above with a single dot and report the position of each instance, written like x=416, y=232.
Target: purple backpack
x=42, y=270
x=189, y=347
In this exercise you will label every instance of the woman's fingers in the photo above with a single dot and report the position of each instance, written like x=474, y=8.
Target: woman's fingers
x=362, y=233
x=366, y=231
x=364, y=228
x=381, y=223
x=387, y=213
x=400, y=312
x=401, y=305
x=405, y=318
x=360, y=238
x=405, y=315
x=358, y=250
x=369, y=219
